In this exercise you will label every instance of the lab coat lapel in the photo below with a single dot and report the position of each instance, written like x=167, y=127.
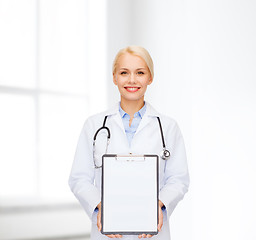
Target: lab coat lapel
x=147, y=118
x=117, y=118
x=143, y=123
x=114, y=113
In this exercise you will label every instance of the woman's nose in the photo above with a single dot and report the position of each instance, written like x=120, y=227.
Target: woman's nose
x=132, y=78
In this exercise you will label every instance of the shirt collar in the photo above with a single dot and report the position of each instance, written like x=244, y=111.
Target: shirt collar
x=150, y=111
x=140, y=113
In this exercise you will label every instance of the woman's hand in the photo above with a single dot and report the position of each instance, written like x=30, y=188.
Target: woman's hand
x=160, y=221
x=100, y=226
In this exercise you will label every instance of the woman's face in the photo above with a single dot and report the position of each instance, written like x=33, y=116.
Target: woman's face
x=132, y=77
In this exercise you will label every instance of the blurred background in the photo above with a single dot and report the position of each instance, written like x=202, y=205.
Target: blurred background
x=55, y=71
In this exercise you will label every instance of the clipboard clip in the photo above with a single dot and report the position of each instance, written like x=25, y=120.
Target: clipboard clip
x=130, y=158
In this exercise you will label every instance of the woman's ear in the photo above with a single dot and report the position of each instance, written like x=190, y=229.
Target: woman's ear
x=150, y=80
x=114, y=79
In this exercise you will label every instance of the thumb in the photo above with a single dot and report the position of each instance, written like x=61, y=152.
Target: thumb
x=99, y=220
x=160, y=220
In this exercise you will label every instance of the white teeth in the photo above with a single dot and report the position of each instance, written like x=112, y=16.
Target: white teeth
x=132, y=89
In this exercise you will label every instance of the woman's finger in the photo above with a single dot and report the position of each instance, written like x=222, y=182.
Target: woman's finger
x=160, y=219
x=145, y=236
x=99, y=217
x=114, y=236
x=111, y=236
x=99, y=220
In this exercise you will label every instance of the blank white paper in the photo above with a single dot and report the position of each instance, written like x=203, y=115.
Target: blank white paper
x=130, y=194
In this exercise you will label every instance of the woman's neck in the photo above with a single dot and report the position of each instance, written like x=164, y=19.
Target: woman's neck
x=131, y=107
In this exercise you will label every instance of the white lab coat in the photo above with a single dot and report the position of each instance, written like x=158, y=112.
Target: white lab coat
x=85, y=180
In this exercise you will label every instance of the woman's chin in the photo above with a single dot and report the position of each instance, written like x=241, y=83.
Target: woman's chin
x=132, y=98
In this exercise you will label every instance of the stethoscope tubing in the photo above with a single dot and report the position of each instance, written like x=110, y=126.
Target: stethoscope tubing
x=165, y=154
x=103, y=127
x=161, y=130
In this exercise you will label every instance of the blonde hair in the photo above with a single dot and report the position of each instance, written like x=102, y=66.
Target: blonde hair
x=137, y=51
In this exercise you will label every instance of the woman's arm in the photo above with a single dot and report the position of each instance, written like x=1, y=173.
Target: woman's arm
x=81, y=180
x=176, y=171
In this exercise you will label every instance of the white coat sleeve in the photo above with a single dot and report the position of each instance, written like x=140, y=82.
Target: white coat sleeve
x=176, y=171
x=81, y=180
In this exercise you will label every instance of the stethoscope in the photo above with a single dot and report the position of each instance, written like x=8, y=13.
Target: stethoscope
x=165, y=154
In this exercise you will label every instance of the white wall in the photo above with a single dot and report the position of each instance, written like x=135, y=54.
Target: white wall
x=118, y=36
x=220, y=68
x=204, y=54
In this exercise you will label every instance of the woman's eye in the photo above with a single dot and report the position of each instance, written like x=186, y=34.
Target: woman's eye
x=123, y=73
x=140, y=73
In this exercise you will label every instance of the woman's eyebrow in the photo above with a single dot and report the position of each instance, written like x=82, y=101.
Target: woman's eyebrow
x=141, y=68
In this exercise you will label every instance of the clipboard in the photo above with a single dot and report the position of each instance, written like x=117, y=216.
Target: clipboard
x=129, y=194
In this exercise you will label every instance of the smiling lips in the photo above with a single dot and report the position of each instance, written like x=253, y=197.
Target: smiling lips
x=132, y=89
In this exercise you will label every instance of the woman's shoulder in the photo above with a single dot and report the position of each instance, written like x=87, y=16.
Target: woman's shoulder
x=98, y=118
x=165, y=119
x=169, y=123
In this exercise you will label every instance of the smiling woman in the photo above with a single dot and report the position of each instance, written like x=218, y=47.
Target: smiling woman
x=132, y=74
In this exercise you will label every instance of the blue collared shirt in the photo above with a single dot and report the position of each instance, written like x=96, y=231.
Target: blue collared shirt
x=130, y=130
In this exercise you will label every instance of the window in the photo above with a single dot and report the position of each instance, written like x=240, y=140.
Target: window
x=47, y=85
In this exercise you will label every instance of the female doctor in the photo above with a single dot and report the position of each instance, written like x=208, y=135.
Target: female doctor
x=135, y=128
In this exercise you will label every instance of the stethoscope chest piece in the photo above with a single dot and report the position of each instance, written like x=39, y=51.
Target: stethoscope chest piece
x=165, y=154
